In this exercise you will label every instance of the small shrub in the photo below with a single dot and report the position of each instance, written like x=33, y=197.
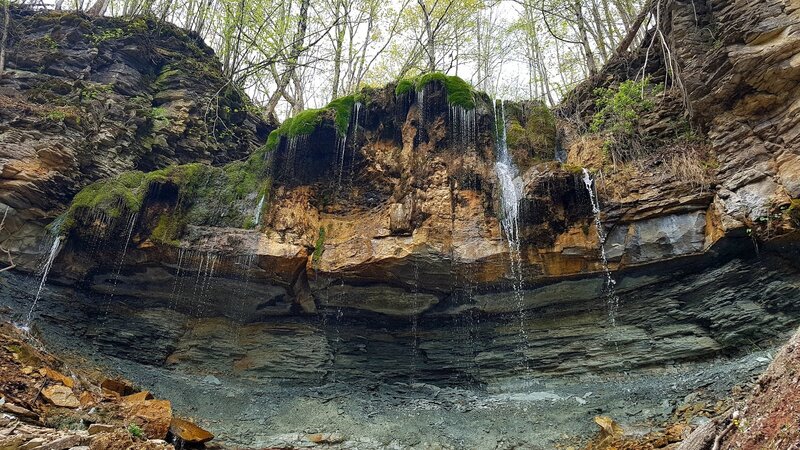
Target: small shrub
x=49, y=42
x=107, y=35
x=618, y=112
x=56, y=116
x=158, y=113
x=135, y=431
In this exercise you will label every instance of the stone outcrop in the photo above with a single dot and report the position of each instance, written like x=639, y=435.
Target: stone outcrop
x=397, y=212
x=387, y=205
x=85, y=99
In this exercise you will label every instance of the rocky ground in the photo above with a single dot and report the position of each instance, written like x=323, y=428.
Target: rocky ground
x=44, y=409
x=394, y=408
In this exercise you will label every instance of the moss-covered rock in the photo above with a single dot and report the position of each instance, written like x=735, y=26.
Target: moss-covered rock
x=459, y=92
x=530, y=132
x=206, y=195
x=304, y=123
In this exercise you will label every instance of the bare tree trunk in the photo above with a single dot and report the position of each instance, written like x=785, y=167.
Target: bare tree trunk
x=291, y=62
x=338, y=44
x=4, y=38
x=591, y=64
x=430, y=42
x=599, y=32
x=99, y=8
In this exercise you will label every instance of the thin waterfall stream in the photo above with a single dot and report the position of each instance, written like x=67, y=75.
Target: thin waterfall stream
x=612, y=300
x=510, y=195
x=43, y=271
x=257, y=212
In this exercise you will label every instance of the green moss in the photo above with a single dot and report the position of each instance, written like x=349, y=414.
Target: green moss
x=113, y=197
x=319, y=246
x=138, y=26
x=343, y=108
x=273, y=140
x=107, y=35
x=405, y=86
x=168, y=229
x=304, y=123
x=459, y=92
x=572, y=168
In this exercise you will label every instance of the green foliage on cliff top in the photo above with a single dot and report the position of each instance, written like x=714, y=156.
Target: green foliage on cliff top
x=537, y=131
x=305, y=122
x=459, y=92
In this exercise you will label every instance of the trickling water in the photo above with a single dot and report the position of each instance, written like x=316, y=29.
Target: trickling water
x=257, y=212
x=415, y=323
x=421, y=104
x=463, y=125
x=510, y=195
x=43, y=271
x=175, y=291
x=292, y=144
x=356, y=110
x=341, y=148
x=611, y=296
x=356, y=114
x=128, y=232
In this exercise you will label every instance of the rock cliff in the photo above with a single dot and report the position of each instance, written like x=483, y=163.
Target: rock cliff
x=86, y=99
x=386, y=205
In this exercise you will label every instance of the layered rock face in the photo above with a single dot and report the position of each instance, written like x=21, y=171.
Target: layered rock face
x=389, y=215
x=86, y=99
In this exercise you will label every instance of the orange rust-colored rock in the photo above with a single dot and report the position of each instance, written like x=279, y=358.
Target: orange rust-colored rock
x=152, y=416
x=137, y=397
x=769, y=417
x=57, y=376
x=121, y=387
x=61, y=396
x=189, y=432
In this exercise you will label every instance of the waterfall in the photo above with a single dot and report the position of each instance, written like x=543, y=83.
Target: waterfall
x=510, y=195
x=356, y=109
x=611, y=296
x=257, y=213
x=415, y=324
x=43, y=271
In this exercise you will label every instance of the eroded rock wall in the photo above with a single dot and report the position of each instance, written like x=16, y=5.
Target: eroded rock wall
x=85, y=99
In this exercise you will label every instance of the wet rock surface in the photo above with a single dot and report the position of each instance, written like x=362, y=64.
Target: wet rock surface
x=386, y=383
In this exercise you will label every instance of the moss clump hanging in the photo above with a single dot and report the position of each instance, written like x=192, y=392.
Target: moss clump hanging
x=405, y=86
x=212, y=196
x=305, y=122
x=343, y=107
x=111, y=197
x=459, y=92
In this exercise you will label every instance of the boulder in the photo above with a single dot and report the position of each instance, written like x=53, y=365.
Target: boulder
x=57, y=376
x=137, y=397
x=61, y=396
x=189, y=432
x=96, y=428
x=152, y=416
x=121, y=387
